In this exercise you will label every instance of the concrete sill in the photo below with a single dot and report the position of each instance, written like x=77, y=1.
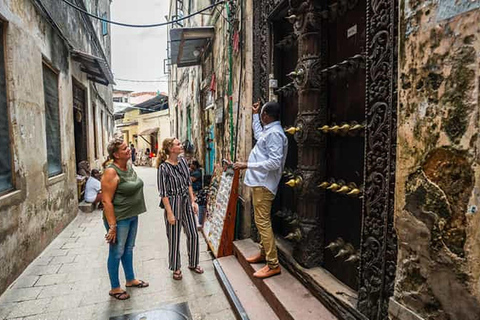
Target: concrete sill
x=12, y=198
x=56, y=179
x=397, y=311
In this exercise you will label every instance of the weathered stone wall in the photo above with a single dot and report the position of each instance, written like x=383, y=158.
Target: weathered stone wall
x=39, y=207
x=437, y=191
x=193, y=82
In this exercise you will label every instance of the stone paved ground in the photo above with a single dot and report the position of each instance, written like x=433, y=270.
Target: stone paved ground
x=69, y=279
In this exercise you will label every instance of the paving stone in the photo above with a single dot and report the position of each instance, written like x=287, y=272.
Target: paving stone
x=94, y=297
x=63, y=259
x=84, y=250
x=212, y=303
x=45, y=316
x=65, y=302
x=43, y=260
x=42, y=270
x=5, y=309
x=51, y=279
x=20, y=294
x=55, y=290
x=25, y=281
x=73, y=268
x=71, y=240
x=73, y=245
x=28, y=308
x=56, y=252
x=105, y=310
x=81, y=313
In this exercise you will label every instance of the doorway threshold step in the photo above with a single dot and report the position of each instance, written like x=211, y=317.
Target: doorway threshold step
x=284, y=293
x=247, y=302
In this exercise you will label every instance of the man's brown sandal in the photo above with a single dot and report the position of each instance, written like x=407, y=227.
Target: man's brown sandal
x=177, y=275
x=197, y=269
x=120, y=295
x=140, y=284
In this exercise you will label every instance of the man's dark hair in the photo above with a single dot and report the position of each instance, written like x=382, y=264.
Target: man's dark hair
x=196, y=164
x=94, y=172
x=272, y=109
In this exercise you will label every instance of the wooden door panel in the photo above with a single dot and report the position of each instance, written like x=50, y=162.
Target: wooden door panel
x=345, y=152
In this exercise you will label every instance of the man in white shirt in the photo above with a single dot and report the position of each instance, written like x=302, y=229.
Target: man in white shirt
x=93, y=193
x=264, y=171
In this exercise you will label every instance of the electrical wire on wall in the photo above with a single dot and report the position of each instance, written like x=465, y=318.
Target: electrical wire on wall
x=230, y=77
x=231, y=12
x=240, y=47
x=142, y=25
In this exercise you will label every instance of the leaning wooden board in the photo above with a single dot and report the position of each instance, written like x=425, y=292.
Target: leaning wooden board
x=219, y=224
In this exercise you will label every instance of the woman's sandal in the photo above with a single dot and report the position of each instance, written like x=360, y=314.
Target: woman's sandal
x=177, y=275
x=140, y=284
x=197, y=269
x=120, y=295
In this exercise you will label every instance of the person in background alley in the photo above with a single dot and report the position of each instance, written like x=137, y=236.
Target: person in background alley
x=197, y=185
x=264, y=171
x=196, y=176
x=93, y=188
x=178, y=200
x=134, y=153
x=123, y=201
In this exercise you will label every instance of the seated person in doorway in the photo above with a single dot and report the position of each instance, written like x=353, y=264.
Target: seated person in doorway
x=93, y=192
x=134, y=153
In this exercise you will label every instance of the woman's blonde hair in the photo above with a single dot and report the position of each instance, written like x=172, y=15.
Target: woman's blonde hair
x=112, y=147
x=164, y=152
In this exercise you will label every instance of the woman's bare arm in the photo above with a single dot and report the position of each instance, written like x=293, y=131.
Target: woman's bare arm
x=109, y=186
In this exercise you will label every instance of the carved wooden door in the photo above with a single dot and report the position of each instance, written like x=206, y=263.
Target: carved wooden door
x=345, y=140
x=343, y=176
x=285, y=53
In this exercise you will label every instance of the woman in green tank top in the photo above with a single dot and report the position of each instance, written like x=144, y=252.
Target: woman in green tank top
x=123, y=201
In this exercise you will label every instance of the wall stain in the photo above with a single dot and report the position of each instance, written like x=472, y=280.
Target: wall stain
x=458, y=86
x=437, y=196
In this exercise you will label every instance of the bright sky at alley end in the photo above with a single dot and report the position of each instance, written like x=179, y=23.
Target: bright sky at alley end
x=138, y=53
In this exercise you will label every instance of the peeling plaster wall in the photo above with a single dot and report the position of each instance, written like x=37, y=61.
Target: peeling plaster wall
x=39, y=207
x=437, y=191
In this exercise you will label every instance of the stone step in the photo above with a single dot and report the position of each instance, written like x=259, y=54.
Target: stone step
x=86, y=207
x=284, y=293
x=244, y=296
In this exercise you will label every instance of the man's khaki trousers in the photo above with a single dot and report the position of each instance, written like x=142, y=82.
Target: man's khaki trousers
x=262, y=205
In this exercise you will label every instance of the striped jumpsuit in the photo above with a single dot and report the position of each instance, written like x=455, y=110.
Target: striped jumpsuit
x=173, y=182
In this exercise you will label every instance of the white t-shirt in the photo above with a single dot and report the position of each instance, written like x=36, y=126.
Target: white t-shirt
x=92, y=188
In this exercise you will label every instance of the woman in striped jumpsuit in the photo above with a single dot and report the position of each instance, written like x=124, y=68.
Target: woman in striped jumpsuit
x=175, y=188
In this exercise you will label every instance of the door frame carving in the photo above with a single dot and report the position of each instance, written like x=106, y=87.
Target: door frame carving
x=378, y=243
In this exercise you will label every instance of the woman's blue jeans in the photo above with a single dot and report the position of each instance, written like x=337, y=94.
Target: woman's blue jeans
x=122, y=250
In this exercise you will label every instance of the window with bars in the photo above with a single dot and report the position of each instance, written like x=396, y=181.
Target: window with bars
x=52, y=121
x=6, y=180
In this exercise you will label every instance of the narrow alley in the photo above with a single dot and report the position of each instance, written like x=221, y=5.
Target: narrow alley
x=69, y=280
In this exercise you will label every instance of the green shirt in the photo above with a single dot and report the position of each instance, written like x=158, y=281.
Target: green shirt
x=128, y=200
